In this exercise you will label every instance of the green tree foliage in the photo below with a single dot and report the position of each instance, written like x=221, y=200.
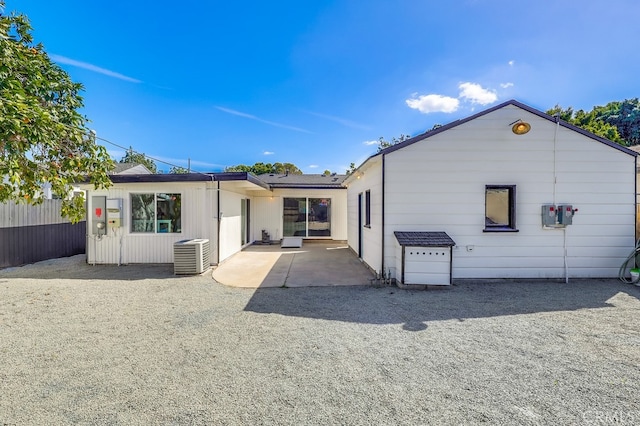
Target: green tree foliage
x=326, y=173
x=616, y=121
x=138, y=158
x=351, y=169
x=625, y=116
x=177, y=170
x=383, y=144
x=43, y=137
x=261, y=168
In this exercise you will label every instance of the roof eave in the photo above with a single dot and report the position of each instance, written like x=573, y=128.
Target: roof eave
x=430, y=133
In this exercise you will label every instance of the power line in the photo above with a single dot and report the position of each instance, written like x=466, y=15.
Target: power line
x=94, y=135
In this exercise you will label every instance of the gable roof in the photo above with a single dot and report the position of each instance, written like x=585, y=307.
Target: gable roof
x=130, y=169
x=275, y=180
x=553, y=119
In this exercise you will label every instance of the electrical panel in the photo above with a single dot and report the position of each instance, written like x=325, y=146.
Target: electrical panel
x=114, y=212
x=549, y=215
x=98, y=215
x=565, y=214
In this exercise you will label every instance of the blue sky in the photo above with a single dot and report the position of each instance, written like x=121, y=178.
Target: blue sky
x=317, y=83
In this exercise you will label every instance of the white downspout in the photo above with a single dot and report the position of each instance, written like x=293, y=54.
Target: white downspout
x=555, y=183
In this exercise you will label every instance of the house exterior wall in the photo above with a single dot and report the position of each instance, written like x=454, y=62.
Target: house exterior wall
x=267, y=214
x=439, y=185
x=231, y=222
x=200, y=220
x=121, y=246
x=370, y=179
x=268, y=210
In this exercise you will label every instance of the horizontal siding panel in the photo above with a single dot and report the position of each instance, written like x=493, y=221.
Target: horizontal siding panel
x=439, y=185
x=546, y=273
x=619, y=252
x=509, y=262
x=624, y=240
x=628, y=189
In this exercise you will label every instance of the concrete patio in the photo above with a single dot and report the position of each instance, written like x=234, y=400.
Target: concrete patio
x=315, y=264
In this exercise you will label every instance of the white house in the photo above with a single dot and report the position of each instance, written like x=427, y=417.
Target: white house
x=141, y=216
x=493, y=183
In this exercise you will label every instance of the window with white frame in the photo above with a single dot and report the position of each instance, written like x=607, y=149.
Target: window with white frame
x=158, y=213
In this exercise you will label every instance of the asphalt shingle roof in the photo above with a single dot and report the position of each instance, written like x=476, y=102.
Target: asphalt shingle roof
x=276, y=180
x=424, y=239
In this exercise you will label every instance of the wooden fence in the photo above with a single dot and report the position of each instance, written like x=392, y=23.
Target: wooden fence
x=33, y=233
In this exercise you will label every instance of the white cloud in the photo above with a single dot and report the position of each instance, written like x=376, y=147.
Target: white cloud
x=91, y=67
x=313, y=166
x=343, y=121
x=268, y=153
x=433, y=103
x=369, y=143
x=511, y=62
x=261, y=120
x=506, y=85
x=476, y=94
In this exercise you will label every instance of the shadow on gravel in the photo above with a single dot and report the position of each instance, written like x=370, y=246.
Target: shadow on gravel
x=414, y=309
x=76, y=268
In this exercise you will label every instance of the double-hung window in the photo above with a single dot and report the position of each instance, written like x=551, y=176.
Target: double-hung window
x=156, y=213
x=500, y=208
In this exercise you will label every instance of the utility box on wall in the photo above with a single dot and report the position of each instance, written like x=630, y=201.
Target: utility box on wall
x=549, y=215
x=565, y=214
x=98, y=215
x=114, y=212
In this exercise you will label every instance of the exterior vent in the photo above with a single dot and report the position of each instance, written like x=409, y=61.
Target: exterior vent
x=191, y=257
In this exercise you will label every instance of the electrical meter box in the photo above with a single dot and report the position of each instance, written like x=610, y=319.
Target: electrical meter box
x=565, y=214
x=98, y=215
x=114, y=212
x=549, y=215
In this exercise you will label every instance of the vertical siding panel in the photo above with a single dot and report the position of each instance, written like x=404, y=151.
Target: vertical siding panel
x=266, y=213
x=150, y=248
x=31, y=233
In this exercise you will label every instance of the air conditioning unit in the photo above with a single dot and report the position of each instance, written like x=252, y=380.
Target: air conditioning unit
x=191, y=257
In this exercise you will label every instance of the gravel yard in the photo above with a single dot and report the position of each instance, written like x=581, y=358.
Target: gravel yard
x=136, y=345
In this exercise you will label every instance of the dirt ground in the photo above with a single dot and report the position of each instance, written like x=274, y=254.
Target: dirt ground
x=82, y=344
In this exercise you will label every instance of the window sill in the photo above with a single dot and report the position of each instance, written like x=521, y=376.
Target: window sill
x=500, y=230
x=367, y=226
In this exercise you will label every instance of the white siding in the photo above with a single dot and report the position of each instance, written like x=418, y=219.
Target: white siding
x=231, y=223
x=122, y=246
x=370, y=179
x=267, y=214
x=439, y=185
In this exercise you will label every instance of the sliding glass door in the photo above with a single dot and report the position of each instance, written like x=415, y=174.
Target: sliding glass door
x=307, y=217
x=319, y=223
x=295, y=217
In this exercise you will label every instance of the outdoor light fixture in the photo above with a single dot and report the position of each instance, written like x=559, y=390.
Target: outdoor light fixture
x=520, y=127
